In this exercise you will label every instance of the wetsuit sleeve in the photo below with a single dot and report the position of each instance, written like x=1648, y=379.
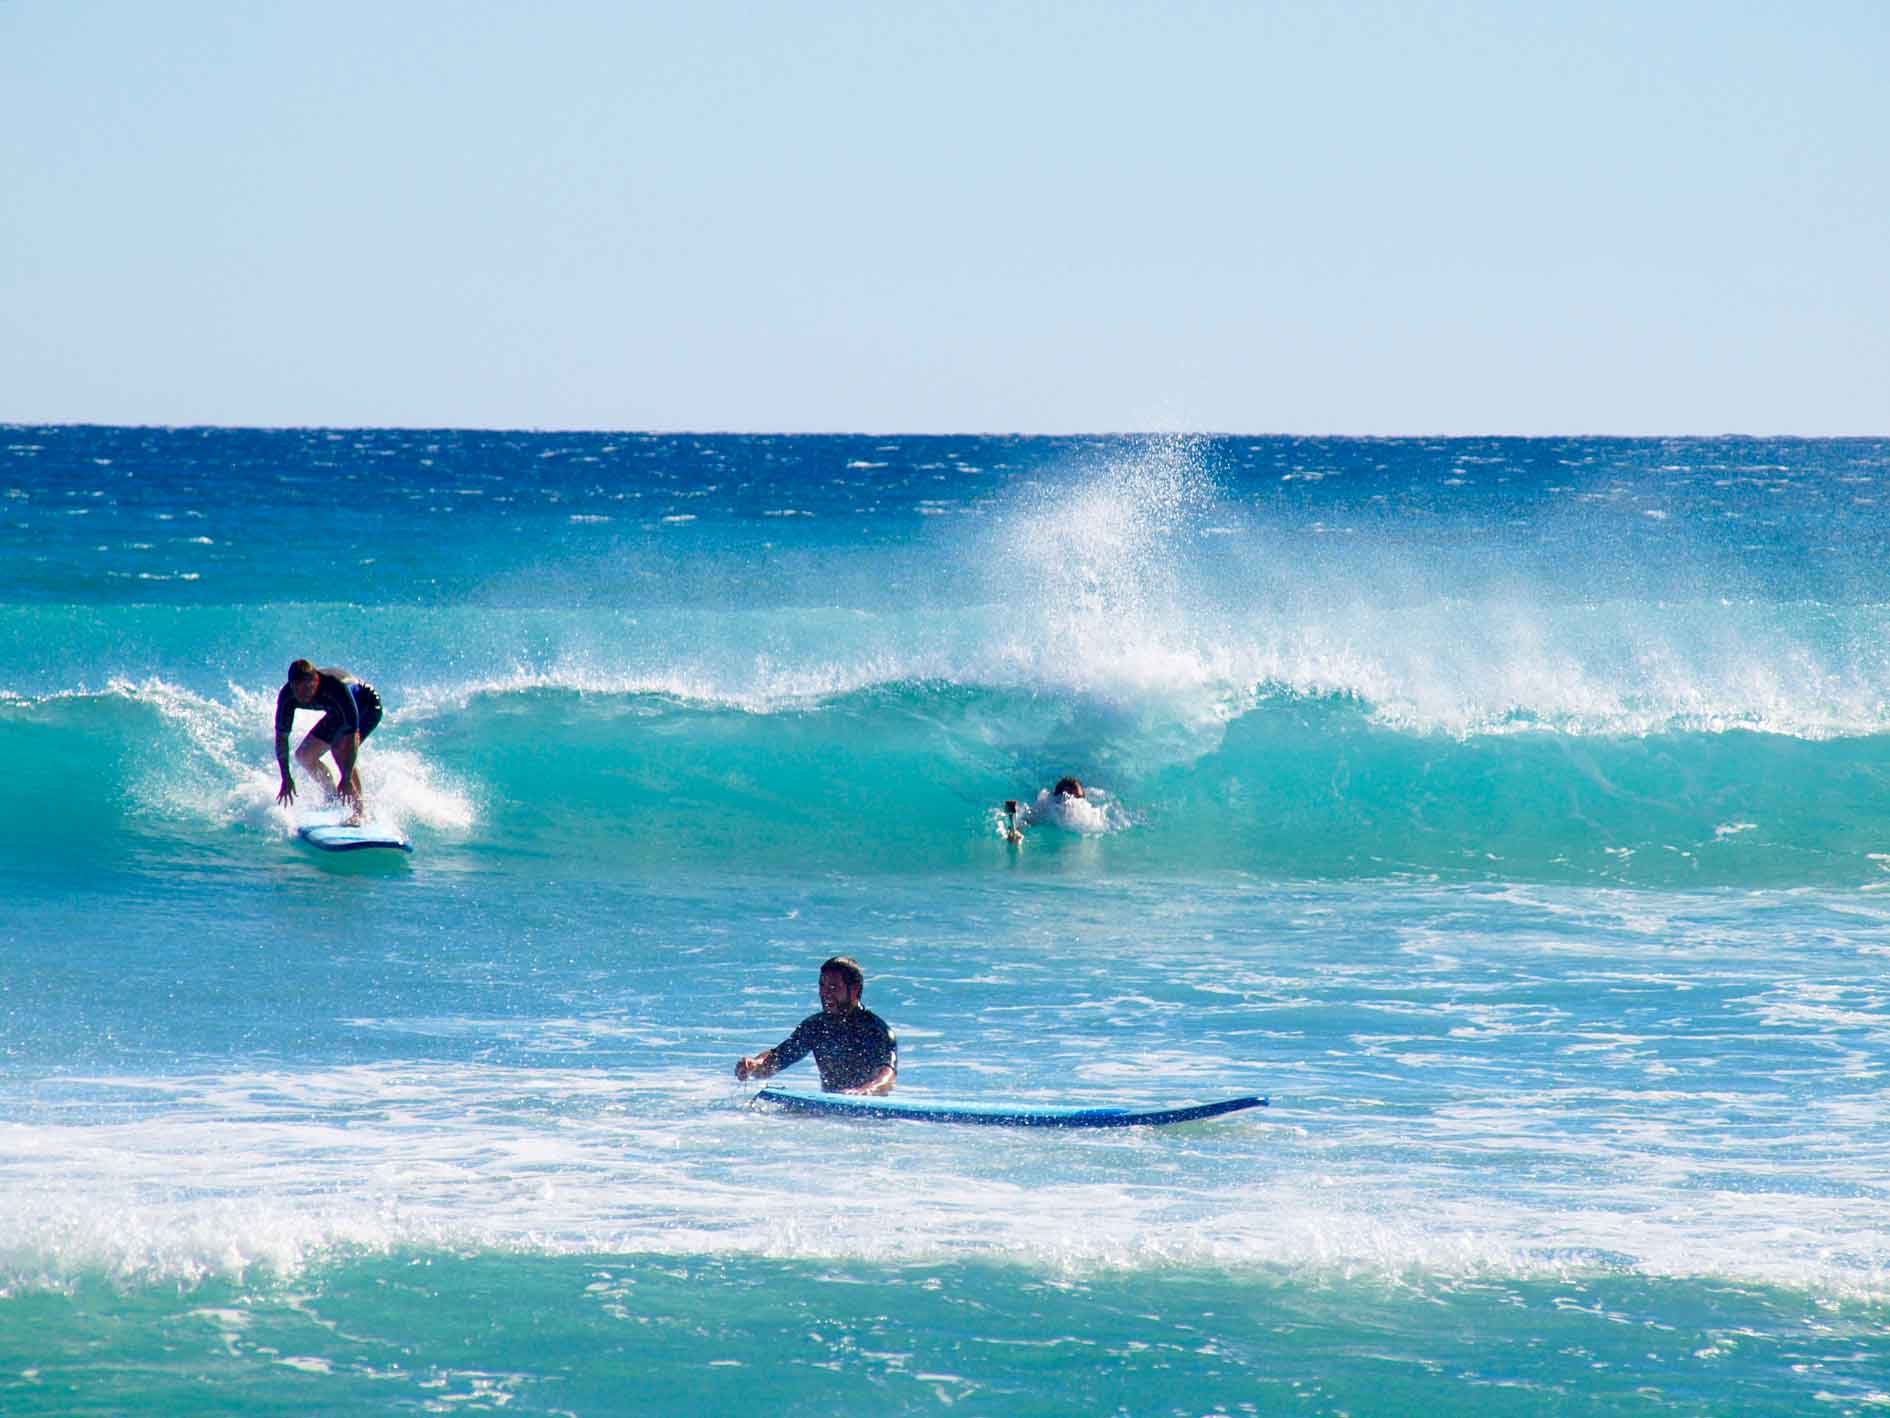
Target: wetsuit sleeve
x=285, y=710
x=796, y=1046
x=888, y=1047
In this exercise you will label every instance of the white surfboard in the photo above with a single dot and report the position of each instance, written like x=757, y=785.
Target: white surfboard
x=339, y=837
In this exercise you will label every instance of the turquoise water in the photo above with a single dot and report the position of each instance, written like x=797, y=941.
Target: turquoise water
x=1511, y=813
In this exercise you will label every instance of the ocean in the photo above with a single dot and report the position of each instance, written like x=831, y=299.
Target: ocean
x=1513, y=813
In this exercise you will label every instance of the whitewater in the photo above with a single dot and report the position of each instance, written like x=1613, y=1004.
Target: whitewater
x=1515, y=814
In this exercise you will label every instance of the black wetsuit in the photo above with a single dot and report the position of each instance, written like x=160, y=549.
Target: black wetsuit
x=848, y=1048
x=348, y=707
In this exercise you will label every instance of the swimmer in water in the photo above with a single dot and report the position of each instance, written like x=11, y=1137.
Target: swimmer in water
x=1066, y=790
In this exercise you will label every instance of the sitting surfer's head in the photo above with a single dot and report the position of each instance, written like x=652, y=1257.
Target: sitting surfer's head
x=841, y=983
x=1067, y=788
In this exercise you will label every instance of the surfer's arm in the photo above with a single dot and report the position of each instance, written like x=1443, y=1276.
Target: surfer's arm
x=285, y=720
x=346, y=747
x=286, y=792
x=881, y=1082
x=886, y=1050
x=761, y=1065
x=769, y=1062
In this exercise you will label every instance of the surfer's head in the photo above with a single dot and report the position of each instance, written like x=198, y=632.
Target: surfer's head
x=841, y=983
x=1067, y=788
x=303, y=677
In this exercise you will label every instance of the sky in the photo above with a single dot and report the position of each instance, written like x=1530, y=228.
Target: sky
x=1657, y=217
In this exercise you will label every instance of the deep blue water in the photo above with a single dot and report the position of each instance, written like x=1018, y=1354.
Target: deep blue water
x=1514, y=813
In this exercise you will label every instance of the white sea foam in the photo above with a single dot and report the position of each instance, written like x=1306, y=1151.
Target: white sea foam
x=1092, y=815
x=219, y=1176
x=225, y=770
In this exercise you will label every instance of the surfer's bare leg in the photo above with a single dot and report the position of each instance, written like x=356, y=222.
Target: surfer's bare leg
x=309, y=755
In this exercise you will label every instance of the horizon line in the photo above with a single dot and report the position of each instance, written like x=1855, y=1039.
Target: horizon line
x=689, y=432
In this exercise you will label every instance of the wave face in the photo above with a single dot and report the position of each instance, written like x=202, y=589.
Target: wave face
x=887, y=778
x=1645, y=662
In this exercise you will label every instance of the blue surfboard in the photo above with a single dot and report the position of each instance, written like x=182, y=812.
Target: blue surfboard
x=336, y=837
x=985, y=1113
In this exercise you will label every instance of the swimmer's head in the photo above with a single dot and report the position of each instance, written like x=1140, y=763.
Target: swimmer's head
x=1067, y=788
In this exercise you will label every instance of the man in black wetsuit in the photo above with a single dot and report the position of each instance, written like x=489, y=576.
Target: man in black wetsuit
x=851, y=1045
x=349, y=709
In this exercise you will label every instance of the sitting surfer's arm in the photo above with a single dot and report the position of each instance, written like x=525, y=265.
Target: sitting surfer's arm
x=769, y=1062
x=881, y=1082
x=761, y=1065
x=887, y=1053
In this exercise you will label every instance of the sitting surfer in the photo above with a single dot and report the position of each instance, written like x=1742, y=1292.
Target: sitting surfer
x=1048, y=808
x=852, y=1047
x=349, y=709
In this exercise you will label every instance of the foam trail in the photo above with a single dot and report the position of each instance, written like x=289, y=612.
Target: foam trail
x=444, y=1157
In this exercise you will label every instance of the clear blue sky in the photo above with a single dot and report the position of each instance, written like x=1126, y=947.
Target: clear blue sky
x=1244, y=217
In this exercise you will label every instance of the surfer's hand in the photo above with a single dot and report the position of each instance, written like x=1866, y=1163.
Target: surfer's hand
x=286, y=793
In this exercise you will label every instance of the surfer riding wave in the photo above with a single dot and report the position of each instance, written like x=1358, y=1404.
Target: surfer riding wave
x=350, y=712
